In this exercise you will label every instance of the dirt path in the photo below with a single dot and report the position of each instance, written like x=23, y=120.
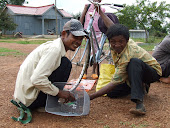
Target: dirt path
x=104, y=112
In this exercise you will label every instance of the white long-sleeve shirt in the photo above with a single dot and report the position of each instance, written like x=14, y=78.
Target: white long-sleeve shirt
x=35, y=70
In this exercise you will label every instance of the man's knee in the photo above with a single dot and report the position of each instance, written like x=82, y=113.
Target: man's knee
x=62, y=72
x=134, y=62
x=65, y=62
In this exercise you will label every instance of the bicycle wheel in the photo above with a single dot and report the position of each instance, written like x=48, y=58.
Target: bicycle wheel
x=80, y=60
x=104, y=54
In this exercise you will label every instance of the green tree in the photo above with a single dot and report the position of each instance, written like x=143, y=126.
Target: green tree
x=77, y=15
x=3, y=3
x=145, y=15
x=14, y=2
x=17, y=2
x=6, y=22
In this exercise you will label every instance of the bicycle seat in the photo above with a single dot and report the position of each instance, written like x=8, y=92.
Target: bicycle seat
x=101, y=24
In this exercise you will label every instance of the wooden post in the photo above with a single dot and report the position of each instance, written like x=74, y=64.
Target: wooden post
x=56, y=17
x=43, y=26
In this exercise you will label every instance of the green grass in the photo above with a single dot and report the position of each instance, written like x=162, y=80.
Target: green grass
x=148, y=46
x=143, y=124
x=151, y=39
x=24, y=41
x=7, y=52
x=4, y=38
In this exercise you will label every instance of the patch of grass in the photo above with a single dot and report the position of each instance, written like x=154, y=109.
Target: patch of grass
x=158, y=125
x=4, y=37
x=25, y=41
x=99, y=122
x=124, y=123
x=148, y=47
x=138, y=40
x=141, y=125
x=7, y=52
x=106, y=126
x=151, y=39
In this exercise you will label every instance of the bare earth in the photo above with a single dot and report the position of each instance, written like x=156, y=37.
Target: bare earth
x=104, y=112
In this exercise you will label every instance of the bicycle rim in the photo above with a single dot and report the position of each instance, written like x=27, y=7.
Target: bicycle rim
x=106, y=54
x=80, y=60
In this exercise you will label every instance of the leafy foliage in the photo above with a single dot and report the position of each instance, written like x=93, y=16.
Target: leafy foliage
x=14, y=2
x=6, y=22
x=76, y=16
x=146, y=15
x=3, y=3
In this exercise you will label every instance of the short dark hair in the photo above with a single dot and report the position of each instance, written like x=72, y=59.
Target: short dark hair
x=116, y=30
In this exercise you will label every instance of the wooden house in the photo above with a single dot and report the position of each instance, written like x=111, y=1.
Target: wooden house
x=37, y=20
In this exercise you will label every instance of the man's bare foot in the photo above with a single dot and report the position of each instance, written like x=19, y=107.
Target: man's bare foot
x=165, y=80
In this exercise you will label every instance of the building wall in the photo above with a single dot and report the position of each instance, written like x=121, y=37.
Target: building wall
x=138, y=34
x=50, y=21
x=28, y=25
x=32, y=25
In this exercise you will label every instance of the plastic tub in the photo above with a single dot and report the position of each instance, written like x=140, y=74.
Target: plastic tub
x=77, y=108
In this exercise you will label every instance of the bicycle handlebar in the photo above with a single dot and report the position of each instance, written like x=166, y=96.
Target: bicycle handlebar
x=96, y=3
x=118, y=5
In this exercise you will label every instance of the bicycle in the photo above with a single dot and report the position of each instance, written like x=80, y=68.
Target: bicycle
x=81, y=58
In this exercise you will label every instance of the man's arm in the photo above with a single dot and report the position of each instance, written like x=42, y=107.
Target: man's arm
x=106, y=89
x=83, y=14
x=107, y=21
x=165, y=44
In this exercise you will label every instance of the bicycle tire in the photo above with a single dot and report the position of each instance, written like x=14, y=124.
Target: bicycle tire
x=79, y=62
x=104, y=54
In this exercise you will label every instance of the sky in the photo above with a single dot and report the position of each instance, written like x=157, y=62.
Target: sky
x=76, y=6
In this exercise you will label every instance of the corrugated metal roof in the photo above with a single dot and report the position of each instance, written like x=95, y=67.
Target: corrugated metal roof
x=65, y=13
x=29, y=10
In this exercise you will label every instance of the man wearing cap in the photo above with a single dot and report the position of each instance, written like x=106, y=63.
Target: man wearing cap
x=47, y=64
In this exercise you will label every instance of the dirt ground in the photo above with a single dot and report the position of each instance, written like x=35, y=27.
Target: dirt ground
x=104, y=112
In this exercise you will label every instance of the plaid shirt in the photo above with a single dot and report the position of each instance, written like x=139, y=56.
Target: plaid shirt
x=132, y=50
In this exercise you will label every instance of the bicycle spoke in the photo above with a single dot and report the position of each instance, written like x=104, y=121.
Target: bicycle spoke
x=79, y=61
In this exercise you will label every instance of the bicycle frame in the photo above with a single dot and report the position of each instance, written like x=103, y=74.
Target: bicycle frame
x=91, y=32
x=99, y=51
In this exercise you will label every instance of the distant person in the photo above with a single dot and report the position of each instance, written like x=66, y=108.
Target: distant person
x=88, y=10
x=47, y=64
x=162, y=55
x=135, y=68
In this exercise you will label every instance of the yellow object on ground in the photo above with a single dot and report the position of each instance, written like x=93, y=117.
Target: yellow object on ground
x=94, y=76
x=106, y=73
x=84, y=76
